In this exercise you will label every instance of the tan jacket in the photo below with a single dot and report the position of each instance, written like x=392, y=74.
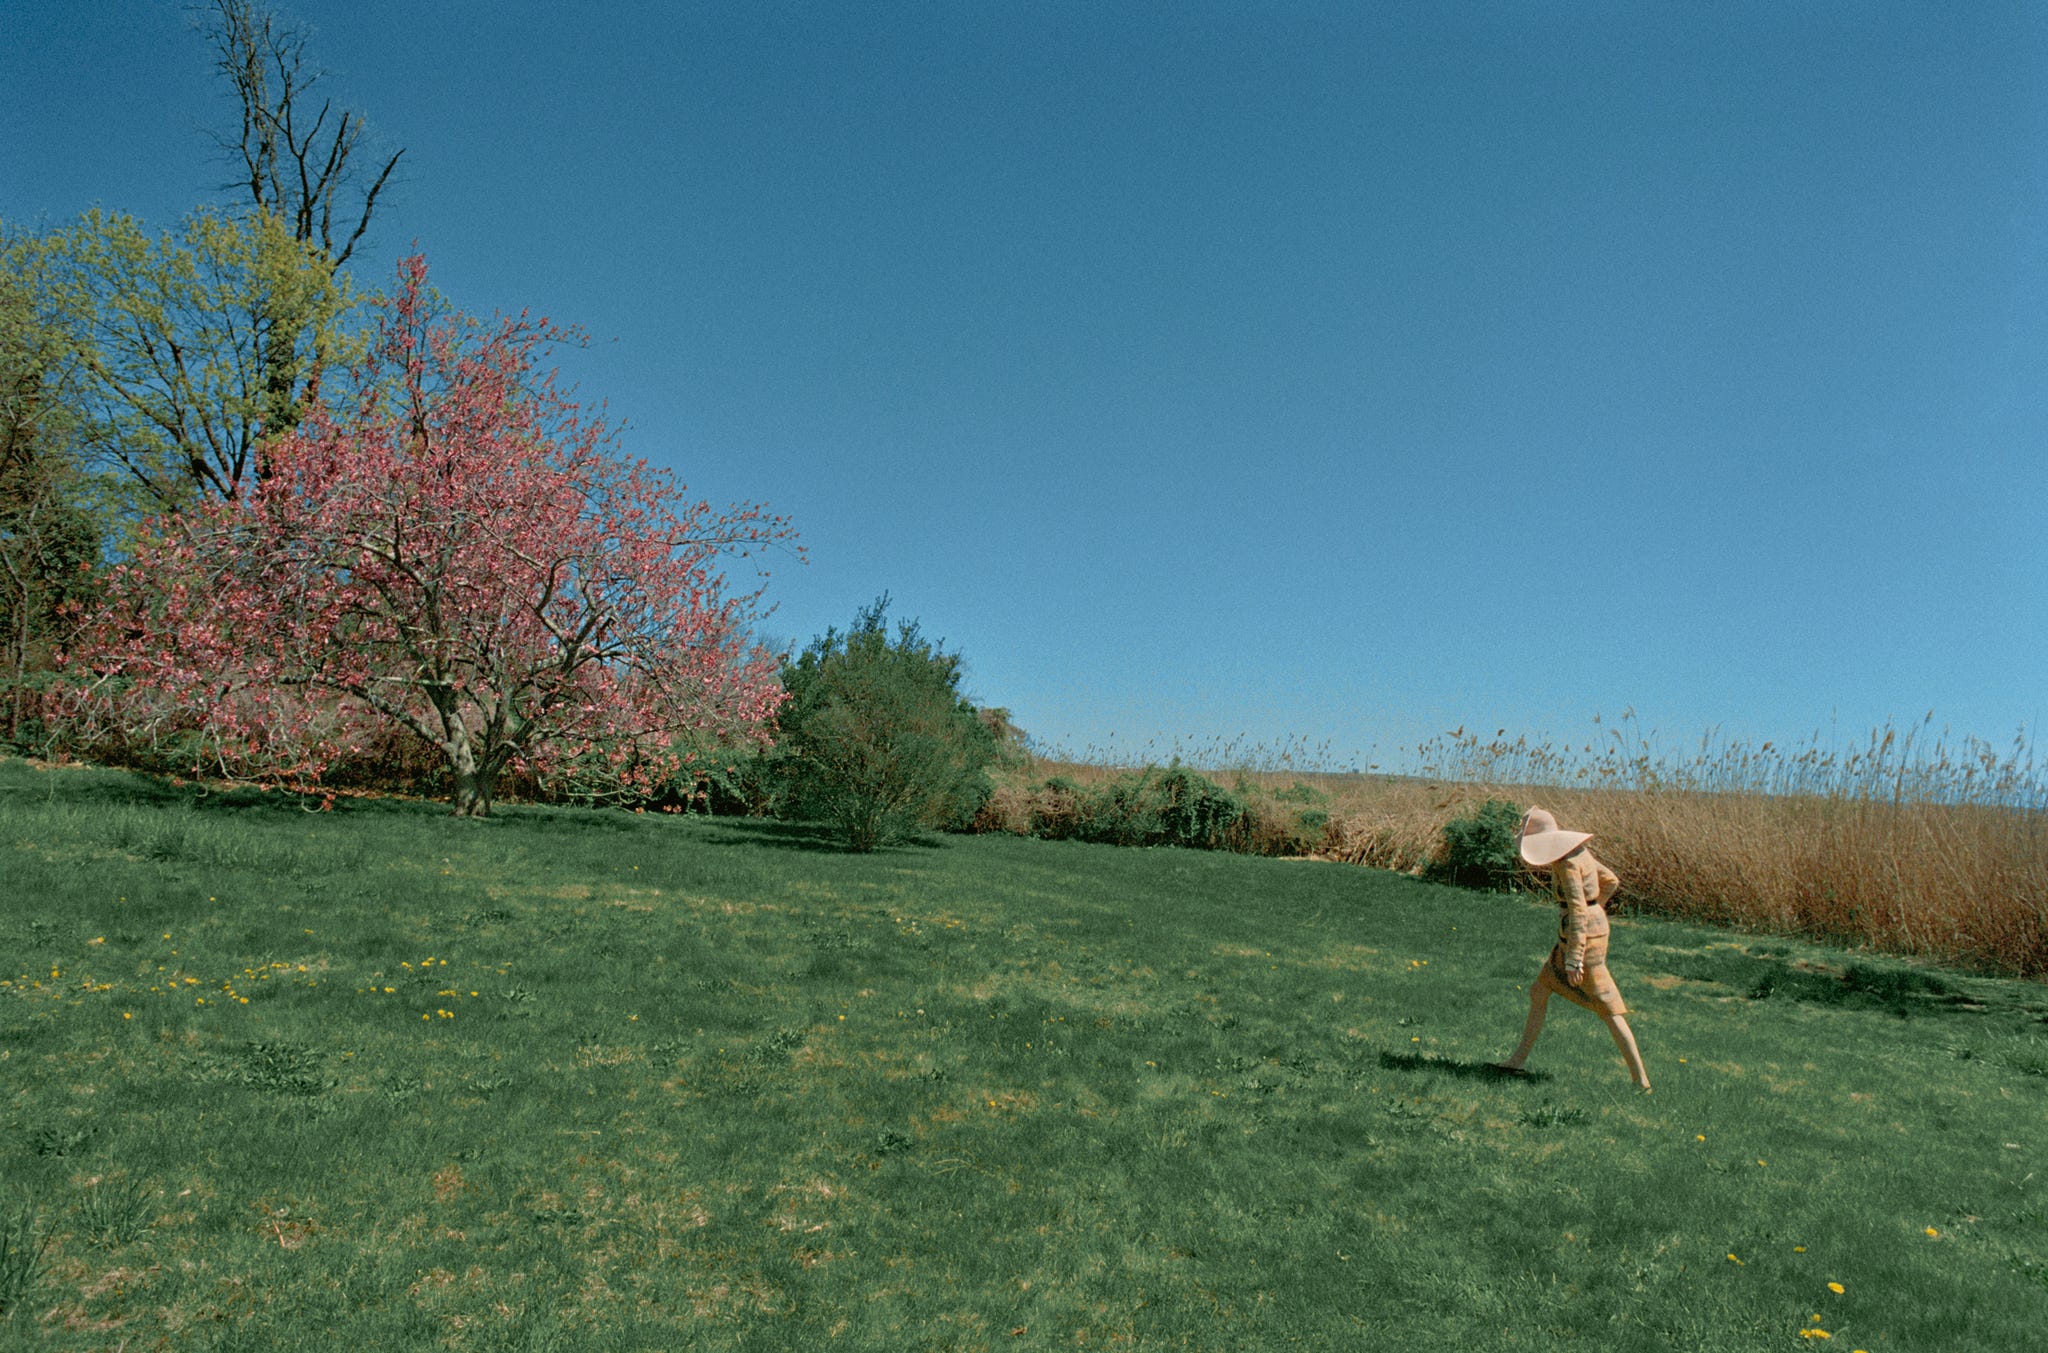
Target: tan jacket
x=1582, y=885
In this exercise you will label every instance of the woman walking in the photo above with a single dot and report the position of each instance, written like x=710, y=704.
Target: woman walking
x=1577, y=966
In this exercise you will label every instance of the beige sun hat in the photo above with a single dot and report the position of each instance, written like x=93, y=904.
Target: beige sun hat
x=1542, y=843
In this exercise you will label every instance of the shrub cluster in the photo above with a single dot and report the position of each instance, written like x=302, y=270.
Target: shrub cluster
x=1174, y=806
x=875, y=738
x=1478, y=848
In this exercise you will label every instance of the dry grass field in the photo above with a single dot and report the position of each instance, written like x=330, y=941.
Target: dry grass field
x=1906, y=843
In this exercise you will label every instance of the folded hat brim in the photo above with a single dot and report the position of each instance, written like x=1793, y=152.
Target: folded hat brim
x=1541, y=848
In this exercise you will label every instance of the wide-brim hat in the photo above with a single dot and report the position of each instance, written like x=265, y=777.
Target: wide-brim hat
x=1541, y=842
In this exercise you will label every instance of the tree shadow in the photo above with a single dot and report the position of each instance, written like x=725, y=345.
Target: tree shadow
x=815, y=837
x=121, y=787
x=1452, y=1066
x=1895, y=989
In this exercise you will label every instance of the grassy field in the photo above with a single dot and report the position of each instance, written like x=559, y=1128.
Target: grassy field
x=586, y=1080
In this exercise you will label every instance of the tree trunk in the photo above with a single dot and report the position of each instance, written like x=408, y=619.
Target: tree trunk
x=472, y=782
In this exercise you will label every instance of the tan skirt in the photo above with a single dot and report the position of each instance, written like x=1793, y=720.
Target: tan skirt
x=1596, y=990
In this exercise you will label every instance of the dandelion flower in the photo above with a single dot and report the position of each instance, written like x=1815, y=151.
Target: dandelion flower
x=1932, y=1232
x=1837, y=1288
x=1737, y=1262
x=1799, y=1249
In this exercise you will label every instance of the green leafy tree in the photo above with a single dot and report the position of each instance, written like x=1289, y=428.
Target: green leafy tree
x=50, y=513
x=193, y=348
x=875, y=737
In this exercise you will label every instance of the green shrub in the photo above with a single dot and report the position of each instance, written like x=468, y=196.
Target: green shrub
x=1479, y=848
x=1193, y=811
x=875, y=738
x=1173, y=807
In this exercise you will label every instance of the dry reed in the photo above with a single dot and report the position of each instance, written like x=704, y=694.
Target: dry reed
x=1910, y=843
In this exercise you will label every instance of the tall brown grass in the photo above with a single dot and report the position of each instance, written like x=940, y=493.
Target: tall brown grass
x=1909, y=841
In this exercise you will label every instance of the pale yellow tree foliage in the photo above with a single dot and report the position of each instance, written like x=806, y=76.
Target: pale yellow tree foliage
x=191, y=347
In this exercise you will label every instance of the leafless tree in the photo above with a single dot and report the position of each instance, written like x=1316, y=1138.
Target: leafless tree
x=299, y=160
x=298, y=151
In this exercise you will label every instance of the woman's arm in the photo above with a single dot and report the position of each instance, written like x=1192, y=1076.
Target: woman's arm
x=1571, y=901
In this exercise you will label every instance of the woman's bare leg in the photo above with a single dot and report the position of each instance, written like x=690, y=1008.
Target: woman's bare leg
x=1626, y=1041
x=1539, y=1000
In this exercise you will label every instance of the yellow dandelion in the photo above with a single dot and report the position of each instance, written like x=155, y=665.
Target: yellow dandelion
x=1837, y=1288
x=1932, y=1232
x=1799, y=1249
x=126, y=1015
x=1761, y=1161
x=1737, y=1262
x=1699, y=1136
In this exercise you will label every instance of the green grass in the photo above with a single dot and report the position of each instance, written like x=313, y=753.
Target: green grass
x=585, y=1080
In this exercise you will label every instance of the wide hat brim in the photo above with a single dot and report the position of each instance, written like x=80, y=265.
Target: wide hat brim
x=1541, y=848
x=1542, y=842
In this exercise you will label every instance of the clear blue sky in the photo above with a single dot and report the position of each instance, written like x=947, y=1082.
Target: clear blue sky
x=1345, y=372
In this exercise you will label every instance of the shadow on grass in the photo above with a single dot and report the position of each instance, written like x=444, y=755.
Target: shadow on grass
x=1451, y=1066
x=814, y=837
x=1897, y=990
x=112, y=787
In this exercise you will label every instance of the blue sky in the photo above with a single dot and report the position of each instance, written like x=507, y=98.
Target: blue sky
x=1340, y=373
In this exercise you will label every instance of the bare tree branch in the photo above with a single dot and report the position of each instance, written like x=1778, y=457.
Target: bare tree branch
x=302, y=176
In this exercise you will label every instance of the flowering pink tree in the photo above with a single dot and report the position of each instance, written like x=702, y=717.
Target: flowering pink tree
x=453, y=548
